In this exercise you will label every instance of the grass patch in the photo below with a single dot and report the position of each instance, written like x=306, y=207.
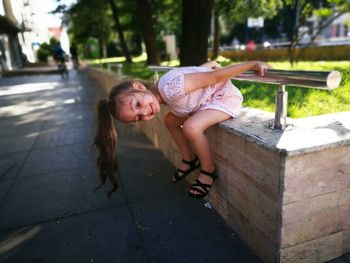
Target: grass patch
x=305, y=102
x=302, y=102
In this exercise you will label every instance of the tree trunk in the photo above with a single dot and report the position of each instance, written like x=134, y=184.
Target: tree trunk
x=216, y=40
x=295, y=33
x=149, y=36
x=196, y=17
x=119, y=29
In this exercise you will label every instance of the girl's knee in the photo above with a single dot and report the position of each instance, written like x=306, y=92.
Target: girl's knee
x=191, y=130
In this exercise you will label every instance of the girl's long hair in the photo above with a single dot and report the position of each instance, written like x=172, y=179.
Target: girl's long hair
x=106, y=137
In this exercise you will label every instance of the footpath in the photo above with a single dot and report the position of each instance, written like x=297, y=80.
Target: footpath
x=48, y=211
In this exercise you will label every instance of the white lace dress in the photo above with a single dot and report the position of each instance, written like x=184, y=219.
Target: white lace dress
x=223, y=96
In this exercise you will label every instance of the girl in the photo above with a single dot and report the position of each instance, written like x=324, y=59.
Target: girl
x=198, y=97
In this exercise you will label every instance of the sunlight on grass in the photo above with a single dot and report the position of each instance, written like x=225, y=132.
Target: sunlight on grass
x=312, y=65
x=302, y=102
x=106, y=60
x=141, y=58
x=171, y=63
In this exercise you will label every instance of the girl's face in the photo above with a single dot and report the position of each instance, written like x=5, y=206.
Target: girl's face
x=140, y=105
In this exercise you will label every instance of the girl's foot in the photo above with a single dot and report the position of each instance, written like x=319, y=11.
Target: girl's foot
x=185, y=168
x=201, y=187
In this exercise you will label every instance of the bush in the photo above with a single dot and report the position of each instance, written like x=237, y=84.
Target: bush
x=43, y=52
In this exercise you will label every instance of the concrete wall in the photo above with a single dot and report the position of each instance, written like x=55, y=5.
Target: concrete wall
x=286, y=194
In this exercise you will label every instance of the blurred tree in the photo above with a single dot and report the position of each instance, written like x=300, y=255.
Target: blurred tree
x=119, y=29
x=148, y=32
x=196, y=17
x=160, y=16
x=326, y=11
x=238, y=11
x=167, y=14
x=87, y=24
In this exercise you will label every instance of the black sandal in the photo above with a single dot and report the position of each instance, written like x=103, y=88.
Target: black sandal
x=194, y=164
x=202, y=189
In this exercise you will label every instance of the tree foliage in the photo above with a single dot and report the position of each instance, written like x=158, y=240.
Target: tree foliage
x=86, y=23
x=301, y=10
x=238, y=11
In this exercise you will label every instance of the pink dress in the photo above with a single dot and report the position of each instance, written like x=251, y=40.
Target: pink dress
x=223, y=96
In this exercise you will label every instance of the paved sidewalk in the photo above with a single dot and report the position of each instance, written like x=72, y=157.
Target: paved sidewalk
x=48, y=212
x=31, y=71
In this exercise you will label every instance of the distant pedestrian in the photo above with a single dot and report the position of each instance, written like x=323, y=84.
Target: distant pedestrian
x=251, y=45
x=58, y=53
x=74, y=56
x=198, y=98
x=60, y=57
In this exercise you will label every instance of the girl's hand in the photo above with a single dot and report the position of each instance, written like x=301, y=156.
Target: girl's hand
x=215, y=65
x=261, y=68
x=211, y=64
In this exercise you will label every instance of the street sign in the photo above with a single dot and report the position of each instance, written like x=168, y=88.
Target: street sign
x=255, y=22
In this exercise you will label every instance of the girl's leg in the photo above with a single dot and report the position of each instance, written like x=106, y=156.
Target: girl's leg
x=193, y=129
x=174, y=123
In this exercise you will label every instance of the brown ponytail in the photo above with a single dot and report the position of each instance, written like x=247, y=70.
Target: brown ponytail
x=106, y=137
x=106, y=142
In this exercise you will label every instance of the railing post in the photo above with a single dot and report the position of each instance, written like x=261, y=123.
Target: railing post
x=281, y=108
x=156, y=76
x=119, y=69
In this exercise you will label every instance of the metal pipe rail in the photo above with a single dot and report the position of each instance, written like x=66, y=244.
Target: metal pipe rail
x=326, y=80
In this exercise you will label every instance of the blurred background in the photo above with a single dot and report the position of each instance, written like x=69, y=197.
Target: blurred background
x=274, y=29
x=298, y=34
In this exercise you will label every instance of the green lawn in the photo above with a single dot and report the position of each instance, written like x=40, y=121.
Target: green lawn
x=302, y=102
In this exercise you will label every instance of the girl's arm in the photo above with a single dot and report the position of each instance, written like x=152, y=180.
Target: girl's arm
x=194, y=81
x=211, y=64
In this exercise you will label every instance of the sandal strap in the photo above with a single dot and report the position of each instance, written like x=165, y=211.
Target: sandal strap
x=181, y=171
x=181, y=174
x=212, y=175
x=200, y=191
x=178, y=176
x=192, y=162
x=203, y=187
x=200, y=184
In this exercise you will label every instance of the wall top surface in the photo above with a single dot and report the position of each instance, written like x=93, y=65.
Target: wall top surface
x=301, y=135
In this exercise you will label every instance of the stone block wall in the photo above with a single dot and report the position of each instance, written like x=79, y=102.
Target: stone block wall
x=285, y=193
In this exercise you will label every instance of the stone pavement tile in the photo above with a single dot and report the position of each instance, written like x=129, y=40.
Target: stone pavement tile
x=65, y=135
x=16, y=144
x=42, y=197
x=56, y=159
x=19, y=125
x=144, y=171
x=107, y=235
x=32, y=93
x=343, y=259
x=183, y=229
x=223, y=250
x=11, y=81
x=60, y=94
x=10, y=163
x=70, y=116
x=4, y=188
x=147, y=178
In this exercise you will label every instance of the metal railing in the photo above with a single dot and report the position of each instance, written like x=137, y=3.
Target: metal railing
x=118, y=66
x=327, y=80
